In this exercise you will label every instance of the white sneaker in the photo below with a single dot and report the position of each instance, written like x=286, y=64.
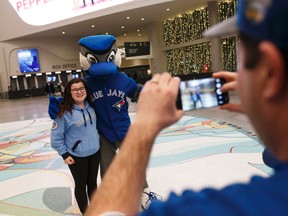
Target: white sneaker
x=147, y=197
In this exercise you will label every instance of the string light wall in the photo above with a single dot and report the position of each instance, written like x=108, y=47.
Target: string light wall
x=228, y=45
x=188, y=27
x=190, y=59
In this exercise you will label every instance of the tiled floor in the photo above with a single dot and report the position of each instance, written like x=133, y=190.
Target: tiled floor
x=206, y=148
x=23, y=109
x=36, y=107
x=237, y=119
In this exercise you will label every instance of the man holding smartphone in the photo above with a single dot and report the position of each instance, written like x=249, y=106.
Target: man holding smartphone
x=263, y=86
x=201, y=93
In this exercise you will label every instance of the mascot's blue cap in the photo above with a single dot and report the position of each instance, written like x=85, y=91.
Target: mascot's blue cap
x=99, y=44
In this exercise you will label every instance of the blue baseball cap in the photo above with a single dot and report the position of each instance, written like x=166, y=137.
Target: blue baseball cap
x=259, y=19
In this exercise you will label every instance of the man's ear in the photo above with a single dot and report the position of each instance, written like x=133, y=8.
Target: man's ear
x=275, y=71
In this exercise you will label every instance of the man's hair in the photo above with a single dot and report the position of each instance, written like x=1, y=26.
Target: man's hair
x=68, y=101
x=253, y=55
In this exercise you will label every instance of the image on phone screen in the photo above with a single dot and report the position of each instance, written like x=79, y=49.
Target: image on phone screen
x=201, y=93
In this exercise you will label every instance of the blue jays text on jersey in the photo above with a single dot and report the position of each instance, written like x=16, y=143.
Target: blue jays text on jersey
x=109, y=93
x=109, y=98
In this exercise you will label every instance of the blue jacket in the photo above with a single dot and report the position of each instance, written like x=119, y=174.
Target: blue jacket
x=110, y=103
x=261, y=196
x=76, y=134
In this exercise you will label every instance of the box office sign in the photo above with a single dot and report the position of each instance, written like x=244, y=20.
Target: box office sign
x=64, y=66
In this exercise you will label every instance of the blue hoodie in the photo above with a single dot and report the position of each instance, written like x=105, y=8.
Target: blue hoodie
x=76, y=134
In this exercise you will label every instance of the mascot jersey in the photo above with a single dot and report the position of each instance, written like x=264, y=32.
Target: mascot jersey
x=100, y=59
x=111, y=106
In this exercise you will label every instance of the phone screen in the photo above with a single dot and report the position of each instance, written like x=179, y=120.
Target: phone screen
x=201, y=93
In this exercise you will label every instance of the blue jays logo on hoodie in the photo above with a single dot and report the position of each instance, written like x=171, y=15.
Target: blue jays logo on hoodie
x=54, y=125
x=119, y=104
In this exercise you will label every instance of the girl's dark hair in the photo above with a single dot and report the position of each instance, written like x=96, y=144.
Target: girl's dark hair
x=68, y=101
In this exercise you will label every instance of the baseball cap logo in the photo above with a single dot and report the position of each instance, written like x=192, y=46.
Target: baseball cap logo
x=256, y=10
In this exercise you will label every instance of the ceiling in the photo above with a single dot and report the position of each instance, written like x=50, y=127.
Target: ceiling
x=113, y=23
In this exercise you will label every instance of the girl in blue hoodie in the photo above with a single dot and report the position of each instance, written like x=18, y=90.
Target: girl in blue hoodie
x=75, y=137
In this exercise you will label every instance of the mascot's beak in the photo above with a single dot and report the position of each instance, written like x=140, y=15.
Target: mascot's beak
x=102, y=69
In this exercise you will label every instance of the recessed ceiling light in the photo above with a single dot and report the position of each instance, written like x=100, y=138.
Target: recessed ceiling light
x=138, y=30
x=122, y=27
x=63, y=32
x=92, y=26
x=142, y=19
x=139, y=35
x=125, y=34
x=106, y=33
x=128, y=17
x=168, y=9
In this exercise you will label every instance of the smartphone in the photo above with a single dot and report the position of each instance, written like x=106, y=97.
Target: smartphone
x=201, y=93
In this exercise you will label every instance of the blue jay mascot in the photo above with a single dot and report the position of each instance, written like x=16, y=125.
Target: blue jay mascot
x=109, y=88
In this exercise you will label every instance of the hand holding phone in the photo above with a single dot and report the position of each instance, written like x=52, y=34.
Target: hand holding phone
x=230, y=85
x=201, y=93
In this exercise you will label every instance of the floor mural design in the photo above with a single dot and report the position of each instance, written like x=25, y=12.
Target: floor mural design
x=193, y=153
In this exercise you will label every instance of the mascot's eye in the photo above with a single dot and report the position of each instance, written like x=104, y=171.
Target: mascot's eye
x=111, y=57
x=91, y=59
